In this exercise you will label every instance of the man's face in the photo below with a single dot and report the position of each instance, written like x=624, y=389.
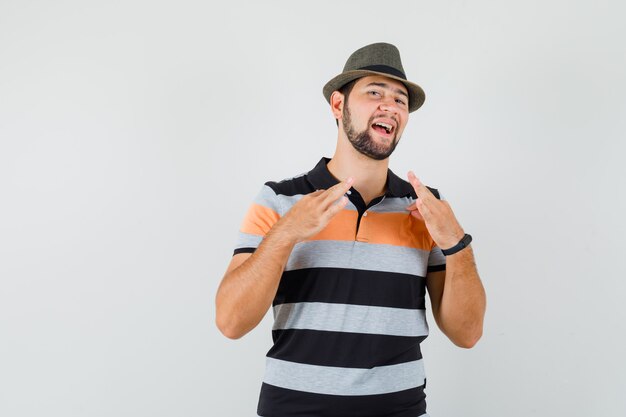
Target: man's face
x=375, y=114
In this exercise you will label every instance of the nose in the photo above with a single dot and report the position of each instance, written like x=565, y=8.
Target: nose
x=389, y=105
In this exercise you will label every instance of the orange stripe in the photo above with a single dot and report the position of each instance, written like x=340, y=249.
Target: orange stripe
x=340, y=227
x=398, y=229
x=259, y=220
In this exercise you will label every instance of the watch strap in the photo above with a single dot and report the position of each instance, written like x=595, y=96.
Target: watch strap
x=463, y=243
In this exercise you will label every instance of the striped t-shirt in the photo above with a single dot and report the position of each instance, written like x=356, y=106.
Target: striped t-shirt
x=349, y=312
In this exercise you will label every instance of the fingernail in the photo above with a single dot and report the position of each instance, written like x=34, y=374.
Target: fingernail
x=349, y=180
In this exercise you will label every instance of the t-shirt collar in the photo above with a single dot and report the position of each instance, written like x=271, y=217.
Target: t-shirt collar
x=321, y=178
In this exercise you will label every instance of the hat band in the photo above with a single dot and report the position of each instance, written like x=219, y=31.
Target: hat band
x=386, y=69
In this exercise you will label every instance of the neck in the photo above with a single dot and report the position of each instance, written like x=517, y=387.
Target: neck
x=370, y=175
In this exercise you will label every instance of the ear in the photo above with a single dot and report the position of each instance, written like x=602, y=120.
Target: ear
x=336, y=104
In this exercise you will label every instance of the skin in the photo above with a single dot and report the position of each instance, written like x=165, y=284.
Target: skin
x=457, y=295
x=250, y=283
x=251, y=280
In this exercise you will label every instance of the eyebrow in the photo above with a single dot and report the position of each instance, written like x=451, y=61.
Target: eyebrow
x=385, y=85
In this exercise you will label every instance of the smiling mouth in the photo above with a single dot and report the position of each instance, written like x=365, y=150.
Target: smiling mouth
x=383, y=128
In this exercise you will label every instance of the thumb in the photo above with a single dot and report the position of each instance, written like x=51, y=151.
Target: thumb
x=417, y=215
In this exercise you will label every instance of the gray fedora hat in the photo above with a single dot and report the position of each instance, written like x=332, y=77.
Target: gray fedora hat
x=376, y=59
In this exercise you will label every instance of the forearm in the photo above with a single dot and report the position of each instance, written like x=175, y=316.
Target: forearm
x=247, y=292
x=463, y=301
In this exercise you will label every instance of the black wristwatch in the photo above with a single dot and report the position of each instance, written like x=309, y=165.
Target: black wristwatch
x=463, y=243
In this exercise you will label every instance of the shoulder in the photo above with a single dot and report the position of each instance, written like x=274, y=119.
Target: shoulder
x=291, y=186
x=435, y=192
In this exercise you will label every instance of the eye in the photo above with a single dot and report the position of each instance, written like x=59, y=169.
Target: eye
x=400, y=101
x=373, y=92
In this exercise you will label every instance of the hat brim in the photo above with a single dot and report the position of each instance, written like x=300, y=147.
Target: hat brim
x=416, y=94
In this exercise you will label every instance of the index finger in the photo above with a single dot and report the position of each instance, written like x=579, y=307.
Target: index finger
x=336, y=191
x=420, y=189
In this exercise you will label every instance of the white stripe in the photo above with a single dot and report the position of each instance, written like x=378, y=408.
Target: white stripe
x=392, y=205
x=351, y=318
x=358, y=255
x=344, y=381
x=248, y=240
x=436, y=257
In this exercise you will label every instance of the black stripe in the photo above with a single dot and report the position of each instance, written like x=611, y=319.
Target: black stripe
x=320, y=178
x=243, y=250
x=432, y=190
x=435, y=192
x=280, y=402
x=397, y=186
x=435, y=268
x=352, y=286
x=291, y=186
x=385, y=69
x=348, y=350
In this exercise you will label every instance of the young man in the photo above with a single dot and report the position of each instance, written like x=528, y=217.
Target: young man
x=344, y=254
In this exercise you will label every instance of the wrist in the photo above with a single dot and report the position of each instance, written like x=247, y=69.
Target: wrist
x=452, y=240
x=284, y=232
x=462, y=244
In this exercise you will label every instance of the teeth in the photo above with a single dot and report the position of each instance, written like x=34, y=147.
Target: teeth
x=384, y=126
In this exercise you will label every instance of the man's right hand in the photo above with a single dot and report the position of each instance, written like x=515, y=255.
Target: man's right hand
x=312, y=213
x=251, y=280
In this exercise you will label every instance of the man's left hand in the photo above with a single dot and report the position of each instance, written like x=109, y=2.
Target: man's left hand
x=437, y=214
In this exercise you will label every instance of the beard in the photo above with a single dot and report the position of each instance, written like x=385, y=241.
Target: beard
x=363, y=141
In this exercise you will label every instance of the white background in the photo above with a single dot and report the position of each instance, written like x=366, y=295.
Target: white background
x=134, y=134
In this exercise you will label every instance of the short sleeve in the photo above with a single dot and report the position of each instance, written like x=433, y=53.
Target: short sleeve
x=436, y=260
x=262, y=214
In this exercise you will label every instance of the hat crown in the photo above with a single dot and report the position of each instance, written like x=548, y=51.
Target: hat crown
x=376, y=55
x=375, y=59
